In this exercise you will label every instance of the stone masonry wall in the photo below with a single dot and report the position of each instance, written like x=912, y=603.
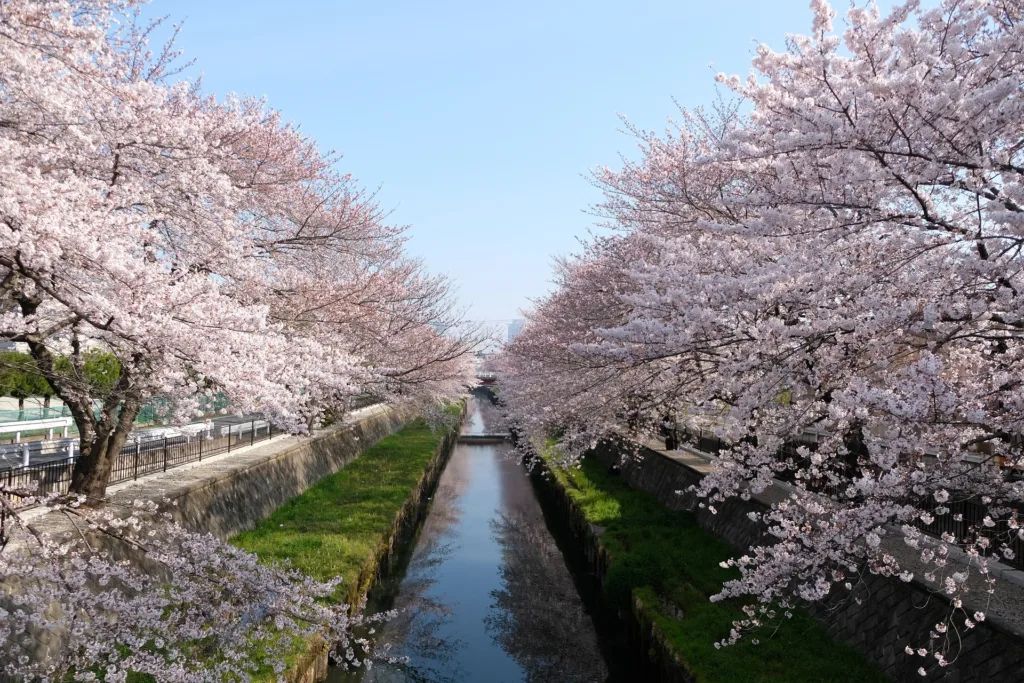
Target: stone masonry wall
x=881, y=617
x=241, y=491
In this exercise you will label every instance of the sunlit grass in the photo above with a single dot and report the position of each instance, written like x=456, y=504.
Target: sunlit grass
x=338, y=525
x=668, y=561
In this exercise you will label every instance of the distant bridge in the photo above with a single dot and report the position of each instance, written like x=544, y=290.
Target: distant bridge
x=487, y=378
x=483, y=439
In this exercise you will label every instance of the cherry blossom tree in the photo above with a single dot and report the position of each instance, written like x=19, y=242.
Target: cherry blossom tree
x=838, y=250
x=208, y=245
x=198, y=246
x=116, y=592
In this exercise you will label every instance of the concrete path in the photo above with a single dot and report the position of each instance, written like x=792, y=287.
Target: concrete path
x=156, y=486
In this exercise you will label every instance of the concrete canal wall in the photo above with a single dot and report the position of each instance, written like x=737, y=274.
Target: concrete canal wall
x=883, y=616
x=637, y=639
x=235, y=492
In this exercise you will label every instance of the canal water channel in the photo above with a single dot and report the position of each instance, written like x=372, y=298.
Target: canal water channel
x=484, y=594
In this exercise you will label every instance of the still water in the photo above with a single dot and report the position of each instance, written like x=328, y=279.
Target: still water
x=486, y=596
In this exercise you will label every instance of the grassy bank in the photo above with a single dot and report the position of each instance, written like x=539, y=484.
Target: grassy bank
x=671, y=564
x=341, y=524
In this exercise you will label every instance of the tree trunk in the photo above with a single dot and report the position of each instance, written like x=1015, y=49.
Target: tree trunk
x=46, y=407
x=100, y=438
x=21, y=408
x=94, y=465
x=96, y=462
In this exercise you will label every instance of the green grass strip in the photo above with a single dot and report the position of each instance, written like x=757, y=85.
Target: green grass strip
x=337, y=526
x=340, y=525
x=669, y=562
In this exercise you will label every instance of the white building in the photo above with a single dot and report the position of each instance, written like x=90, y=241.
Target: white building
x=514, y=328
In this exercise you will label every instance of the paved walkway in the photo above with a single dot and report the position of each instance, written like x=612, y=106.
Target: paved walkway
x=156, y=486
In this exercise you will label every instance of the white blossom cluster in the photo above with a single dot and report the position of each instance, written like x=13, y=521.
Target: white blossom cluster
x=825, y=273
x=114, y=591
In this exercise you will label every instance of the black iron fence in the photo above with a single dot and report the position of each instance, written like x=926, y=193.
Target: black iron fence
x=145, y=457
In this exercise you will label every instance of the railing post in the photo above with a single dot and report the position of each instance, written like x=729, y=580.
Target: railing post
x=229, y=438
x=201, y=439
x=165, y=454
x=252, y=433
x=138, y=452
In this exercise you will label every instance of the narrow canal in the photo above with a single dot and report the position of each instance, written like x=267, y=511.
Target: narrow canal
x=485, y=595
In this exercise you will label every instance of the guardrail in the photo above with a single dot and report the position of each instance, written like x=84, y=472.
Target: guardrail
x=144, y=457
x=45, y=425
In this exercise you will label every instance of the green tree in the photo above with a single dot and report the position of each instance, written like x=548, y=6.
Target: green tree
x=20, y=379
x=101, y=370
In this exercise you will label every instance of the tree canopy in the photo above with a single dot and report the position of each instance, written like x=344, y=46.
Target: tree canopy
x=844, y=229
x=206, y=245
x=19, y=377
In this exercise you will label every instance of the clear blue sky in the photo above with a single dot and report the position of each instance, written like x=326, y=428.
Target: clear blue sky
x=480, y=119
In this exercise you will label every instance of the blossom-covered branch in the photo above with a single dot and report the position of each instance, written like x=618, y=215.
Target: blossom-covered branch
x=838, y=253
x=104, y=593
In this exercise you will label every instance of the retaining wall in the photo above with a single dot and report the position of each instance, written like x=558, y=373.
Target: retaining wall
x=880, y=618
x=241, y=491
x=639, y=641
x=233, y=492
x=230, y=493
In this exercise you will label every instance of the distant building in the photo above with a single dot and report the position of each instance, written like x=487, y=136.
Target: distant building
x=514, y=328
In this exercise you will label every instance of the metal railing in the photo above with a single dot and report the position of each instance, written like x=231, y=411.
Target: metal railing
x=145, y=457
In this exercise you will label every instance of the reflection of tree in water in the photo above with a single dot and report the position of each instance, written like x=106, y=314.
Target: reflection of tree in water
x=538, y=618
x=491, y=417
x=417, y=631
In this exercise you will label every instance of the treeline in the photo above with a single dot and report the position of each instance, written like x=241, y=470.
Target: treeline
x=20, y=377
x=836, y=248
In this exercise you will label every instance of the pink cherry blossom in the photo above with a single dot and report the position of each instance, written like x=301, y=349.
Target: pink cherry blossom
x=824, y=274
x=208, y=245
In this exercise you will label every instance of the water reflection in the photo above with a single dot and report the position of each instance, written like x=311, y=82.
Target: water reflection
x=538, y=617
x=486, y=595
x=423, y=630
